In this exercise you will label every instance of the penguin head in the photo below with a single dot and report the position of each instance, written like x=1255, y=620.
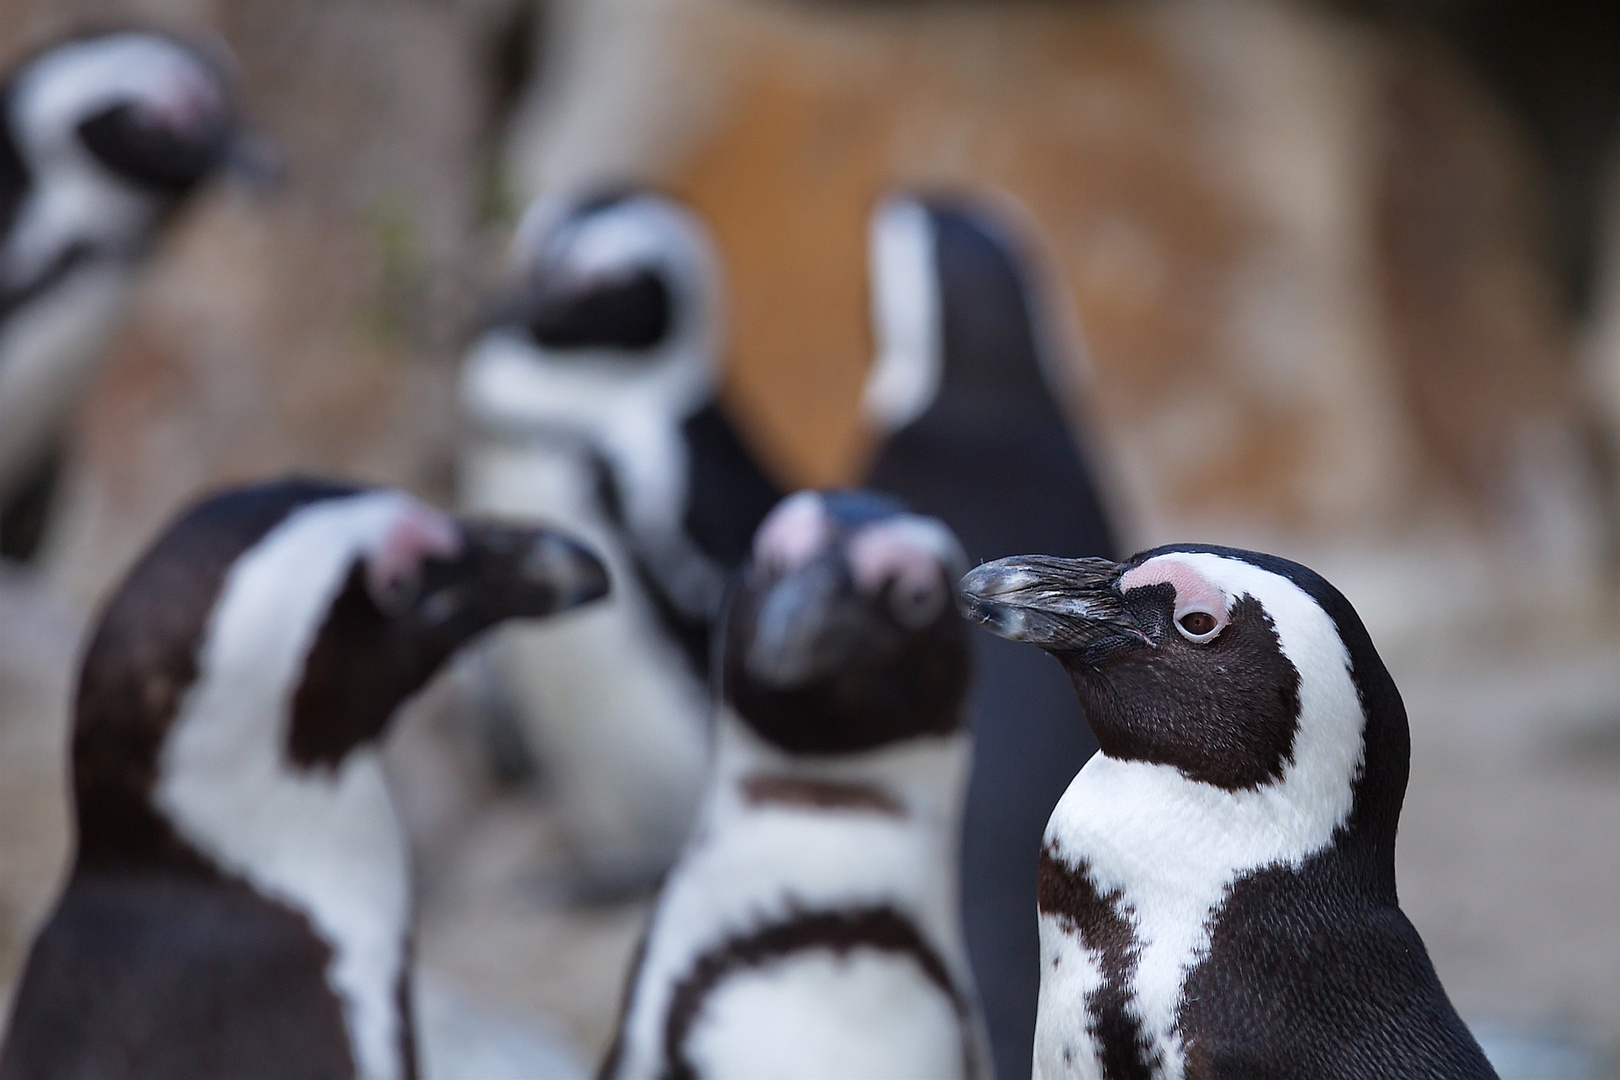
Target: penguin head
x=1239, y=670
x=951, y=307
x=839, y=635
x=617, y=300
x=294, y=619
x=134, y=110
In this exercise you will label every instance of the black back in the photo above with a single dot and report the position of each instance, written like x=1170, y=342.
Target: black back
x=994, y=458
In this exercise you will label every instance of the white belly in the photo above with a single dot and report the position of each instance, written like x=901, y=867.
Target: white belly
x=1064, y=1048
x=863, y=1014
x=607, y=700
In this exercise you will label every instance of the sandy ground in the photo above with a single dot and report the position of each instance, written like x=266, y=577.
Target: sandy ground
x=1508, y=857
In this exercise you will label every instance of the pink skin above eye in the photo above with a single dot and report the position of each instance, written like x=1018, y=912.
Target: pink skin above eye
x=1194, y=592
x=416, y=535
x=792, y=533
x=880, y=553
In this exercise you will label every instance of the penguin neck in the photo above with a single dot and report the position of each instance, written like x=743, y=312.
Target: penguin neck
x=630, y=414
x=921, y=782
x=78, y=210
x=325, y=842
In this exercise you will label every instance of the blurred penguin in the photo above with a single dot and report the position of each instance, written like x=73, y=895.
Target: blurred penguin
x=811, y=927
x=239, y=903
x=592, y=403
x=102, y=138
x=962, y=394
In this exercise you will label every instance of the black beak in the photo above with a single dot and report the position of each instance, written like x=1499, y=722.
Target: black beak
x=255, y=161
x=508, y=572
x=807, y=626
x=1071, y=607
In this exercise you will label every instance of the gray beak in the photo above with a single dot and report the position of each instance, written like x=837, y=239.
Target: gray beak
x=255, y=161
x=1069, y=606
x=808, y=626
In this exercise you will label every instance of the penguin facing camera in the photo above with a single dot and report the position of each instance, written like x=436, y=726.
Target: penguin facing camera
x=811, y=927
x=964, y=395
x=102, y=138
x=592, y=402
x=1217, y=886
x=239, y=902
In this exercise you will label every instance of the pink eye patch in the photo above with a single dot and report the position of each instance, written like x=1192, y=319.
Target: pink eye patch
x=1194, y=591
x=793, y=532
x=417, y=534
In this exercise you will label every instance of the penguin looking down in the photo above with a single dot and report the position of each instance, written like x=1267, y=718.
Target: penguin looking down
x=964, y=389
x=592, y=402
x=239, y=902
x=1217, y=886
x=811, y=927
x=102, y=138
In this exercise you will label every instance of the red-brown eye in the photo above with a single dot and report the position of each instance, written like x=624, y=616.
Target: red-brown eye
x=1198, y=624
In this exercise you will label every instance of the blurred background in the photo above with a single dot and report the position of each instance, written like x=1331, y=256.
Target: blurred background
x=1347, y=276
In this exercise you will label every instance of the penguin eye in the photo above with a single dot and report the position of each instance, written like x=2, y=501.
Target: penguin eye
x=395, y=593
x=1198, y=626
x=916, y=602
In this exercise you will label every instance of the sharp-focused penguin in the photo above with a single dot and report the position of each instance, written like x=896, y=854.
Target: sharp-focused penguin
x=239, y=904
x=975, y=436
x=593, y=404
x=811, y=927
x=1217, y=886
x=101, y=139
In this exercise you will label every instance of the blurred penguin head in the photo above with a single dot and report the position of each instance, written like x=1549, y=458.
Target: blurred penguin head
x=840, y=635
x=126, y=115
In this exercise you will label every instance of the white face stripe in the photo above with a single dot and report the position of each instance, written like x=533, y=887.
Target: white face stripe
x=325, y=842
x=906, y=315
x=1172, y=846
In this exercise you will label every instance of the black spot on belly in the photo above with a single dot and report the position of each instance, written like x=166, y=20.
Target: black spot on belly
x=878, y=927
x=1066, y=893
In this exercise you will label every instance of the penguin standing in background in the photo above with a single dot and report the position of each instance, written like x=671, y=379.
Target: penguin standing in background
x=593, y=403
x=811, y=927
x=1217, y=886
x=101, y=139
x=962, y=390
x=239, y=904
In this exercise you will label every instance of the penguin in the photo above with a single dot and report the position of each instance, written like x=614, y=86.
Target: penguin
x=592, y=402
x=811, y=926
x=973, y=433
x=102, y=138
x=1217, y=886
x=239, y=902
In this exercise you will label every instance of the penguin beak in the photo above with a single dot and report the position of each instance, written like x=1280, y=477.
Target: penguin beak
x=807, y=626
x=255, y=161
x=506, y=571
x=1069, y=607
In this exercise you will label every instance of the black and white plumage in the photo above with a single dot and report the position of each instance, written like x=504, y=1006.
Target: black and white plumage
x=811, y=927
x=975, y=436
x=1217, y=889
x=101, y=138
x=239, y=904
x=593, y=403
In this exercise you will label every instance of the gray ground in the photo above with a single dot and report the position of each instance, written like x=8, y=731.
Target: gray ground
x=1508, y=857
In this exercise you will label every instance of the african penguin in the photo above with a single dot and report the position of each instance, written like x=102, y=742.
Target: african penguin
x=1217, y=886
x=811, y=926
x=962, y=390
x=593, y=403
x=239, y=903
x=102, y=137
